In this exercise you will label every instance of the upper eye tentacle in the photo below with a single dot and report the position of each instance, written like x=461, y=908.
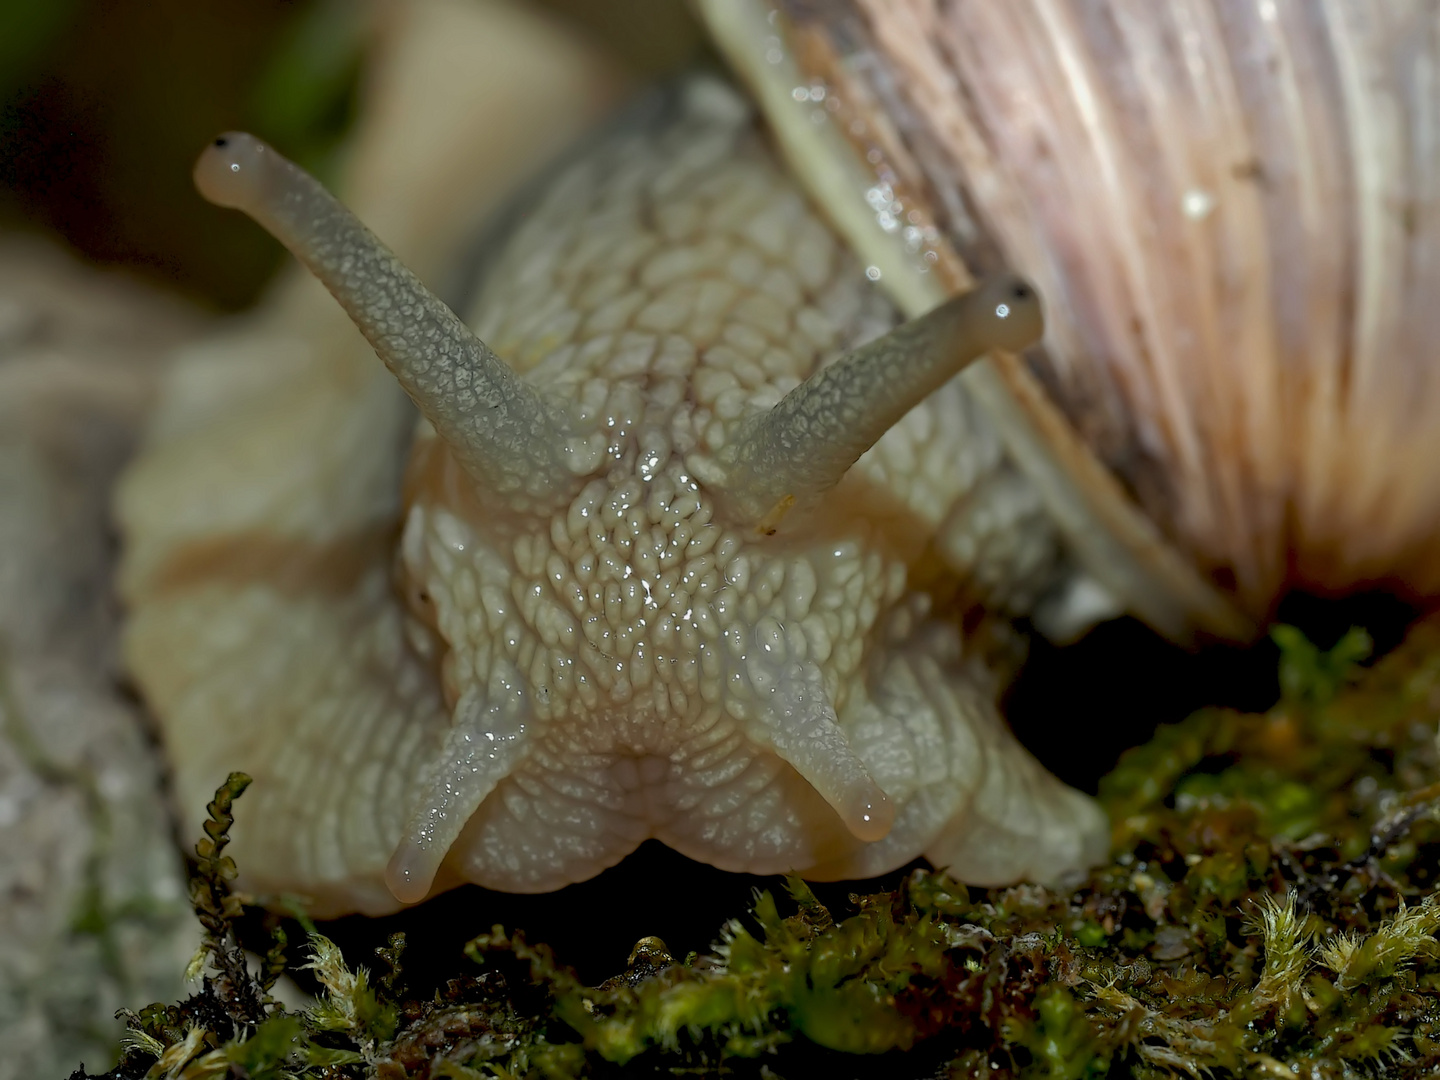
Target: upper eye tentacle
x=808, y=441
x=503, y=432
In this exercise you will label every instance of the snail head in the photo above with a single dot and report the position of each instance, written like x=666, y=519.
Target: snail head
x=601, y=581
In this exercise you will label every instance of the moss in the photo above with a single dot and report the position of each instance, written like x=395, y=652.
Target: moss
x=1063, y=1043
x=1269, y=911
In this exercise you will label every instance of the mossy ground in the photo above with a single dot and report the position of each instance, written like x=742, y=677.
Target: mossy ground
x=1269, y=913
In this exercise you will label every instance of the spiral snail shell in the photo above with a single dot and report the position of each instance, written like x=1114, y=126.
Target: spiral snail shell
x=1231, y=208
x=724, y=551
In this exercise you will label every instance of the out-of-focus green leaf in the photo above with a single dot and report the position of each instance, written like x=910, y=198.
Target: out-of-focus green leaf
x=304, y=97
x=27, y=30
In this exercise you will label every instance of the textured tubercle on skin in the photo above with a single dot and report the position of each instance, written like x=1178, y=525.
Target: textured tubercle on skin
x=507, y=437
x=807, y=442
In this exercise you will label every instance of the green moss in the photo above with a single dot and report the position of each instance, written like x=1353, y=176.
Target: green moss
x=1268, y=912
x=1064, y=1042
x=1312, y=676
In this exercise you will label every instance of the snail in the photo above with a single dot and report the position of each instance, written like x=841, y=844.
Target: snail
x=727, y=548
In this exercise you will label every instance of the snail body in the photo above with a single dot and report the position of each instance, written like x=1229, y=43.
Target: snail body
x=637, y=589
x=633, y=581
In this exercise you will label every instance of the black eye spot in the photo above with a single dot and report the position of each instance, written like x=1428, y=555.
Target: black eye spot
x=222, y=141
x=1020, y=292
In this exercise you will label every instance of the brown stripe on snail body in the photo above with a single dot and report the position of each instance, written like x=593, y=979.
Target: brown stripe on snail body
x=641, y=586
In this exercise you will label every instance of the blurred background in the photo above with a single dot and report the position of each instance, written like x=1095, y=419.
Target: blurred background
x=104, y=105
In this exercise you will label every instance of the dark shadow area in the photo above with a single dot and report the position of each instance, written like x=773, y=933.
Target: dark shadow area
x=592, y=925
x=1078, y=708
x=104, y=105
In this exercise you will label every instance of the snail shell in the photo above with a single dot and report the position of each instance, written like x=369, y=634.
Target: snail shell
x=1231, y=208
x=638, y=583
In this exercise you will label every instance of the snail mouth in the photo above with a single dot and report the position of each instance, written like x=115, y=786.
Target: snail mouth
x=636, y=775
